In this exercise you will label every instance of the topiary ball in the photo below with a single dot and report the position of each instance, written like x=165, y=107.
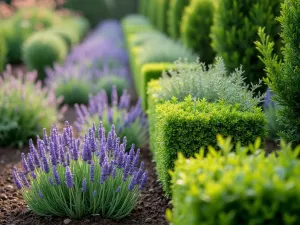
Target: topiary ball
x=42, y=50
x=68, y=35
x=107, y=82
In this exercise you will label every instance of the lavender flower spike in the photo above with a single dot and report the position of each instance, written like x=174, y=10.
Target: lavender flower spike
x=24, y=163
x=24, y=179
x=34, y=153
x=56, y=176
x=144, y=180
x=92, y=172
x=69, y=178
x=30, y=162
x=17, y=179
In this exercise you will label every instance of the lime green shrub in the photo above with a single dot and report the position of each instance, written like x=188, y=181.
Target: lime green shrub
x=195, y=28
x=42, y=50
x=184, y=126
x=161, y=14
x=3, y=51
x=283, y=76
x=174, y=18
x=233, y=188
x=25, y=107
x=151, y=71
x=235, y=31
x=67, y=34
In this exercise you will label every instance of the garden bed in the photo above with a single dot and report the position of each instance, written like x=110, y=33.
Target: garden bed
x=13, y=210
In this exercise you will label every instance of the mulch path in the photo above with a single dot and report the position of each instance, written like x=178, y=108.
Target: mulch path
x=13, y=210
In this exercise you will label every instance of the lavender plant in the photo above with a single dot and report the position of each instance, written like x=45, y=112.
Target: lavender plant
x=129, y=122
x=64, y=176
x=25, y=107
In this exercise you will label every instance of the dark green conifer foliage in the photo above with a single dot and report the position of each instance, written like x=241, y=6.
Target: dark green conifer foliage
x=283, y=76
x=195, y=28
x=162, y=9
x=235, y=29
x=175, y=13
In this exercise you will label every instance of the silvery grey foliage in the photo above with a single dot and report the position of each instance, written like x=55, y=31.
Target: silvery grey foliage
x=211, y=82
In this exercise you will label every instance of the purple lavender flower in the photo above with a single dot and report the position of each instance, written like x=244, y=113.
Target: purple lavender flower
x=104, y=173
x=114, y=96
x=69, y=178
x=143, y=180
x=94, y=193
x=30, y=162
x=24, y=179
x=133, y=182
x=126, y=168
x=17, y=180
x=55, y=175
x=33, y=175
x=68, y=159
x=92, y=140
x=53, y=154
x=45, y=164
x=34, y=153
x=50, y=181
x=86, y=152
x=118, y=189
x=24, y=163
x=92, y=172
x=84, y=185
x=40, y=194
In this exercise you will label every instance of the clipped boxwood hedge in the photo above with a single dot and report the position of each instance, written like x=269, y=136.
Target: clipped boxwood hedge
x=184, y=126
x=151, y=71
x=234, y=188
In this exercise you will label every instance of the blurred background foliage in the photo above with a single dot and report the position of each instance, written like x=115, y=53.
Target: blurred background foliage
x=105, y=8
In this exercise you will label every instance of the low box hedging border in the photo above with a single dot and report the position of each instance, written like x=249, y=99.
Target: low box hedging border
x=184, y=126
x=228, y=188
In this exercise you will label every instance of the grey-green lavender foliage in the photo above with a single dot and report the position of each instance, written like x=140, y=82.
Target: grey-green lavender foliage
x=211, y=82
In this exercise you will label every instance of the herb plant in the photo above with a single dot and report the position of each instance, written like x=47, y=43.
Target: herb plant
x=64, y=176
x=129, y=122
x=25, y=107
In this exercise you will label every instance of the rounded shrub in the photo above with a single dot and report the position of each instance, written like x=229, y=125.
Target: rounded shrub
x=22, y=25
x=225, y=187
x=67, y=34
x=42, y=50
x=129, y=121
x=195, y=28
x=63, y=176
x=235, y=30
x=108, y=81
x=25, y=107
x=175, y=13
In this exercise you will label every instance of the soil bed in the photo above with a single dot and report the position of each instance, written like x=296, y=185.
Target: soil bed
x=13, y=210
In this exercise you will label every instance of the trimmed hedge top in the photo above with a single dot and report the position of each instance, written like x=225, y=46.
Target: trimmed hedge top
x=184, y=126
x=230, y=188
